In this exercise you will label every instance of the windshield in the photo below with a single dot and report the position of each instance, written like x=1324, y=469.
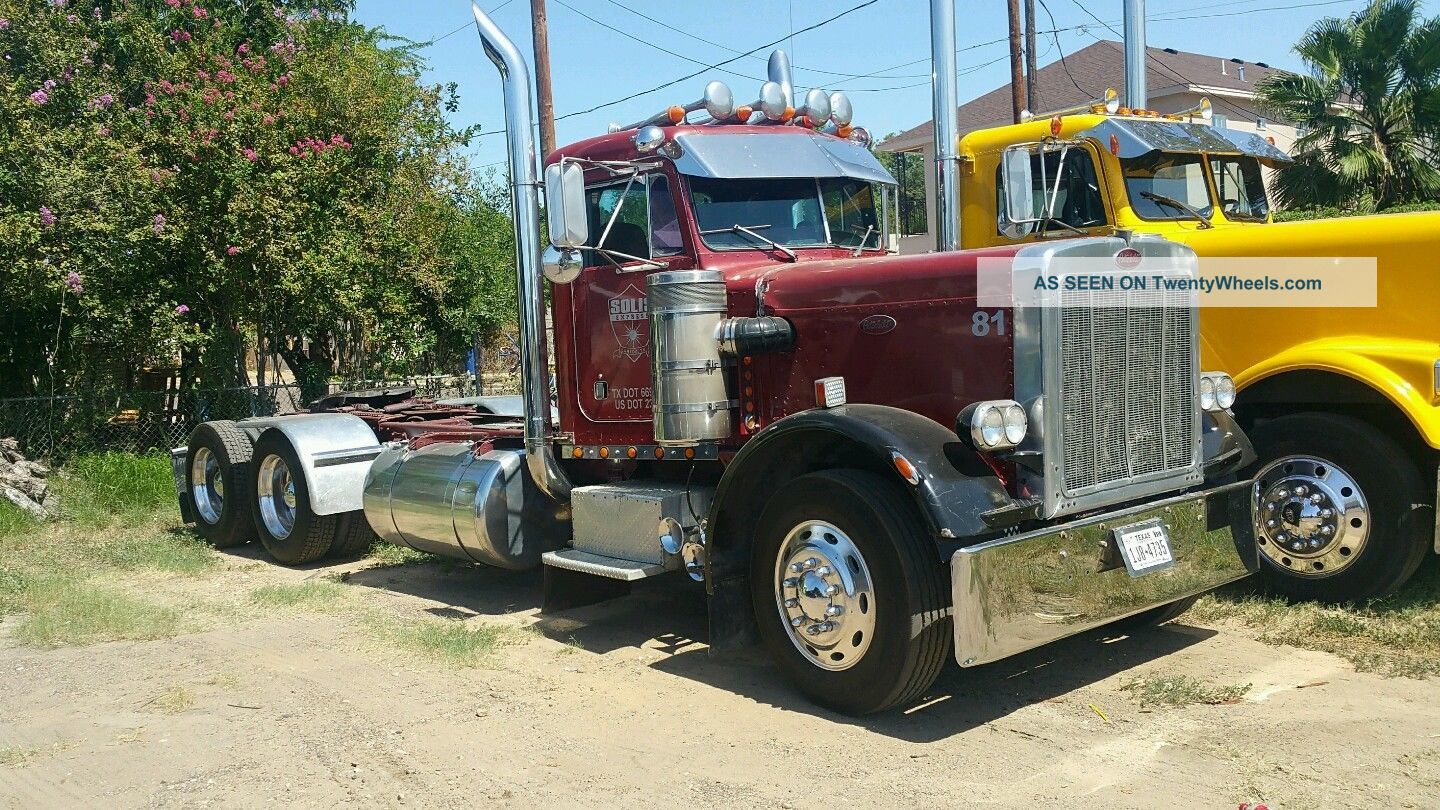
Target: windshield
x=802, y=212
x=1177, y=177
x=1241, y=187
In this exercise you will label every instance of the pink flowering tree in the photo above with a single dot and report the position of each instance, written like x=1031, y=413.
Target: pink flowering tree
x=179, y=179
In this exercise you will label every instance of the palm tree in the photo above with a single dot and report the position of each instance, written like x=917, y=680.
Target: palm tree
x=1369, y=112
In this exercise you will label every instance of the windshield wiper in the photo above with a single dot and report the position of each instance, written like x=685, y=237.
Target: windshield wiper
x=860, y=248
x=1178, y=206
x=749, y=230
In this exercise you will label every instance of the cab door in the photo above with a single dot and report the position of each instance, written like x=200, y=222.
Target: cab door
x=636, y=218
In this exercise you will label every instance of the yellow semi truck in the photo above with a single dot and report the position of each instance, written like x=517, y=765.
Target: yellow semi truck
x=1343, y=404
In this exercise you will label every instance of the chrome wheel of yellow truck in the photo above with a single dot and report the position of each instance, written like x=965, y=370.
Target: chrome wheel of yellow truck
x=1340, y=513
x=849, y=594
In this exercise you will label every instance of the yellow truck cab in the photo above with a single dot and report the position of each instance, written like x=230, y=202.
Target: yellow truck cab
x=1343, y=404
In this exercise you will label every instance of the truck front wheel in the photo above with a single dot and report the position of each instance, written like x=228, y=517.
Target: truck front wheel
x=289, y=529
x=1338, y=511
x=218, y=463
x=849, y=595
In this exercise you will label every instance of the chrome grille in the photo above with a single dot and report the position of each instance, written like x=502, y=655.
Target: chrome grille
x=1127, y=377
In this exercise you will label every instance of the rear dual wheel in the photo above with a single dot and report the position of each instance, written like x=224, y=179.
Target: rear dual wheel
x=217, y=462
x=849, y=596
x=288, y=528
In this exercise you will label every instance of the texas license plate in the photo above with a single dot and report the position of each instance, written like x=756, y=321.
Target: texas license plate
x=1145, y=547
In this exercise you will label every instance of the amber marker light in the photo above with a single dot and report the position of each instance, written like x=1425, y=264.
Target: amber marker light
x=1055, y=125
x=632, y=452
x=677, y=114
x=659, y=452
x=689, y=452
x=604, y=452
x=578, y=452
x=905, y=468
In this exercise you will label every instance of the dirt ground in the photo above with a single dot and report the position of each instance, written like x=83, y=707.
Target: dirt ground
x=619, y=704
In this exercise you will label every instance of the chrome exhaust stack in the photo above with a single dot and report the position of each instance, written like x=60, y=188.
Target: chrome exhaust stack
x=525, y=200
x=947, y=125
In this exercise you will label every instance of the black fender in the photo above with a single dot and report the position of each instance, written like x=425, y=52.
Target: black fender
x=955, y=488
x=1225, y=448
x=954, y=491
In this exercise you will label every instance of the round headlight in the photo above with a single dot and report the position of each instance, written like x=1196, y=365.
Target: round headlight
x=992, y=426
x=1015, y=424
x=1225, y=391
x=1207, y=393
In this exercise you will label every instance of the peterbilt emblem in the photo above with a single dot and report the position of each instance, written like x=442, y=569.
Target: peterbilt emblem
x=1128, y=258
x=877, y=324
x=630, y=321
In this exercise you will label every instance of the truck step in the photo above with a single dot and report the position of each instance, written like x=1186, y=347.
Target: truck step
x=585, y=562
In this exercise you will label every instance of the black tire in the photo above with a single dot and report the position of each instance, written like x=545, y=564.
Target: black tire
x=353, y=537
x=1154, y=617
x=1395, y=541
x=222, y=516
x=308, y=535
x=911, y=634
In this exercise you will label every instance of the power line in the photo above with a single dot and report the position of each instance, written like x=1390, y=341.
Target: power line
x=724, y=47
x=646, y=42
x=1173, y=74
x=462, y=27
x=662, y=86
x=1063, y=64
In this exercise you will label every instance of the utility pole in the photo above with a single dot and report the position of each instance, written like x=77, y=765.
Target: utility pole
x=541, y=29
x=1030, y=98
x=1017, y=76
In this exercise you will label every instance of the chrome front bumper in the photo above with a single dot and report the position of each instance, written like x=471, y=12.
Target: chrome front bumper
x=1020, y=592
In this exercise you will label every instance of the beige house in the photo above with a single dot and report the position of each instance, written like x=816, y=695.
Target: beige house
x=1175, y=81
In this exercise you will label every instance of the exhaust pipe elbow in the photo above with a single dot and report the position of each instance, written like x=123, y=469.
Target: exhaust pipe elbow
x=525, y=201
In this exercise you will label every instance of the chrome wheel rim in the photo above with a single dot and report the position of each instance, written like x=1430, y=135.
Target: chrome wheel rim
x=207, y=486
x=277, y=497
x=1312, y=519
x=824, y=595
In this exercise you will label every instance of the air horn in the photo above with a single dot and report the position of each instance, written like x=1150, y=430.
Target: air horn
x=718, y=102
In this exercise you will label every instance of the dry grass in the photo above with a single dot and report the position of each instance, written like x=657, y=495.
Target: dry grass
x=448, y=641
x=324, y=595
x=1395, y=636
x=60, y=575
x=1183, y=690
x=173, y=700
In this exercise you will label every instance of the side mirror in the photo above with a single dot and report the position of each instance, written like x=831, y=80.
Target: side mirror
x=1019, y=189
x=565, y=205
x=560, y=266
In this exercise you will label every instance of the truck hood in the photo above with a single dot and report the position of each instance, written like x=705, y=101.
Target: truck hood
x=1374, y=235
x=861, y=280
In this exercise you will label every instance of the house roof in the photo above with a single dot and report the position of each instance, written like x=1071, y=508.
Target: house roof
x=1094, y=68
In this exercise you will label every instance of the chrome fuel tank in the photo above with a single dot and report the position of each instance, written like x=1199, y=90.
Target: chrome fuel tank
x=442, y=499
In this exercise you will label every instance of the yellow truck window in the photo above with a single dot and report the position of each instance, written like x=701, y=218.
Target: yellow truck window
x=1156, y=181
x=1077, y=199
x=1241, y=188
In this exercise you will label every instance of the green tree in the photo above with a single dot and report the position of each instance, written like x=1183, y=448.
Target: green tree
x=909, y=171
x=1369, y=111
x=177, y=178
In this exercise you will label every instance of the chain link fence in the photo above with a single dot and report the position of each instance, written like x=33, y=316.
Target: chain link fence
x=58, y=428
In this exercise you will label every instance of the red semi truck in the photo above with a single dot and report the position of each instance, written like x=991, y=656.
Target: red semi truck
x=854, y=457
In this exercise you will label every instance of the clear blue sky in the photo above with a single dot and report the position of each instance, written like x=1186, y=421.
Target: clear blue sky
x=591, y=65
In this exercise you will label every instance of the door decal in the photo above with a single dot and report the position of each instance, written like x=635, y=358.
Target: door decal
x=630, y=321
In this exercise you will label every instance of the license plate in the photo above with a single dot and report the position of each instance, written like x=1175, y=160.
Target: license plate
x=1145, y=547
